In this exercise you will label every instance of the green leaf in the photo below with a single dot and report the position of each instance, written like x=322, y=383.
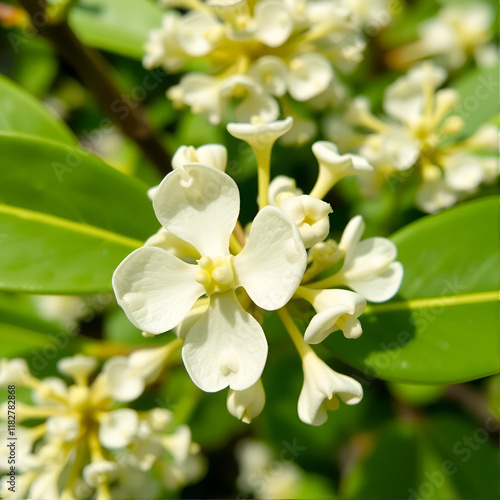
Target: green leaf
x=478, y=92
x=36, y=66
x=66, y=218
x=20, y=112
x=442, y=327
x=120, y=26
x=442, y=457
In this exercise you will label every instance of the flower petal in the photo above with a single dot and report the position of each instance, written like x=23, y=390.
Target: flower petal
x=271, y=73
x=309, y=75
x=321, y=385
x=274, y=23
x=225, y=347
x=117, y=428
x=123, y=384
x=382, y=287
x=200, y=205
x=352, y=233
x=369, y=258
x=272, y=263
x=324, y=323
x=155, y=289
x=257, y=105
x=246, y=405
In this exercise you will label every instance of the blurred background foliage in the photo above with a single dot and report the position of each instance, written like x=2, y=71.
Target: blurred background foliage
x=407, y=439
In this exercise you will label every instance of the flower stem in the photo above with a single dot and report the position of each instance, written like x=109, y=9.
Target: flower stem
x=264, y=175
x=302, y=347
x=330, y=282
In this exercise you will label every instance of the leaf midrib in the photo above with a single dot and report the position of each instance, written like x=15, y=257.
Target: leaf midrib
x=77, y=227
x=452, y=300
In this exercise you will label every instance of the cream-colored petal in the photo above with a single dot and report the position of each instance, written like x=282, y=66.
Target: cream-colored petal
x=155, y=289
x=272, y=263
x=226, y=347
x=200, y=205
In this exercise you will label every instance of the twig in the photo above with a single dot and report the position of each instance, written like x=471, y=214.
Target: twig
x=94, y=71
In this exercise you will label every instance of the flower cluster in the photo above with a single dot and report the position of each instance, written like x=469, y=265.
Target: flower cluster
x=85, y=440
x=457, y=32
x=257, y=51
x=202, y=275
x=420, y=131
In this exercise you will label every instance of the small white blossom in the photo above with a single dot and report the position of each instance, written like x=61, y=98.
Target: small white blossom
x=336, y=310
x=450, y=37
x=369, y=265
x=246, y=405
x=116, y=447
x=282, y=187
x=322, y=386
x=157, y=290
x=13, y=371
x=256, y=52
x=259, y=474
x=310, y=215
x=213, y=155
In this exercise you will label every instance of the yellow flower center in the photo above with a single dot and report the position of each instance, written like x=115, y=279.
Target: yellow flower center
x=216, y=275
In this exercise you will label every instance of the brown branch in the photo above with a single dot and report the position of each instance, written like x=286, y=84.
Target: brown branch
x=94, y=72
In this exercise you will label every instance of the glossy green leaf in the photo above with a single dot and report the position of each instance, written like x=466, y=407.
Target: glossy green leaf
x=442, y=327
x=120, y=26
x=20, y=112
x=66, y=218
x=443, y=457
x=478, y=92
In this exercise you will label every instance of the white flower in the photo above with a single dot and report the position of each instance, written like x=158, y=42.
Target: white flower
x=260, y=136
x=118, y=427
x=257, y=51
x=434, y=193
x=50, y=391
x=282, y=187
x=336, y=310
x=213, y=155
x=391, y=149
x=485, y=138
x=226, y=346
x=260, y=474
x=310, y=215
x=78, y=367
x=67, y=310
x=202, y=93
x=321, y=387
x=65, y=428
x=309, y=75
x=273, y=23
x=334, y=167
x=112, y=447
x=246, y=405
x=271, y=73
x=303, y=131
x=369, y=267
x=163, y=47
x=13, y=371
x=97, y=473
x=454, y=33
x=128, y=376
x=463, y=172
x=406, y=97
x=194, y=30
